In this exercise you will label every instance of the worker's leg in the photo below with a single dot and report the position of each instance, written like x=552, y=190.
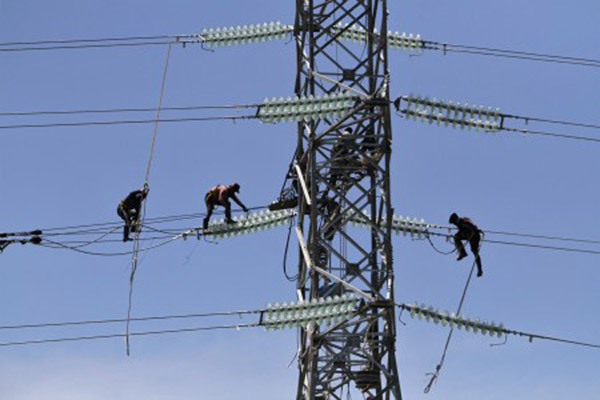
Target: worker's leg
x=459, y=246
x=121, y=212
x=209, y=210
x=474, y=242
x=228, y=219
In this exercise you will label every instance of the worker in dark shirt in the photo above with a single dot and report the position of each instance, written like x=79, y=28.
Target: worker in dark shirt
x=129, y=210
x=219, y=196
x=468, y=231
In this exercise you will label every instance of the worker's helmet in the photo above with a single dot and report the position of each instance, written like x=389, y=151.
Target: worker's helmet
x=453, y=218
x=235, y=187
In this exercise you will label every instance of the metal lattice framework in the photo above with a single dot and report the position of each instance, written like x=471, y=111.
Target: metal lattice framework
x=342, y=172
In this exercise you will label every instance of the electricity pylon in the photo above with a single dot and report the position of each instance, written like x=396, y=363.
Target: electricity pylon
x=342, y=172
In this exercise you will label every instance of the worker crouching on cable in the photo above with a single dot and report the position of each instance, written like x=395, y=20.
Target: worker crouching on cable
x=129, y=210
x=219, y=196
x=468, y=231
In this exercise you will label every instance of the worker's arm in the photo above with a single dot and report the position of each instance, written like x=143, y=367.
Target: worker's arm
x=239, y=203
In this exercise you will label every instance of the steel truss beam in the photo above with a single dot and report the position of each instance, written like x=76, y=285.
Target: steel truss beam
x=344, y=165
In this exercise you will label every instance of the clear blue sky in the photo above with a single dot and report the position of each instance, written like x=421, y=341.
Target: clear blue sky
x=69, y=176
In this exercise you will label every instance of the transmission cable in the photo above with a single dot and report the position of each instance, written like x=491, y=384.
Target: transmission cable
x=125, y=122
x=125, y=110
x=85, y=46
x=552, y=134
x=88, y=40
x=135, y=319
x=120, y=335
x=514, y=54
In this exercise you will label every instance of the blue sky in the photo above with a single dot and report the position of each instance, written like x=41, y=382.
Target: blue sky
x=69, y=176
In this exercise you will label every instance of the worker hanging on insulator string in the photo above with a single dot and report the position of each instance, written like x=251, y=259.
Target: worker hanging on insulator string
x=219, y=196
x=468, y=231
x=130, y=210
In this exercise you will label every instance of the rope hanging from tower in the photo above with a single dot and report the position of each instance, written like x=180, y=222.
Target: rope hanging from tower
x=136, y=238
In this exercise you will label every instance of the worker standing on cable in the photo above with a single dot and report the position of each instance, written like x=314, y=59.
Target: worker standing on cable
x=129, y=210
x=219, y=196
x=468, y=231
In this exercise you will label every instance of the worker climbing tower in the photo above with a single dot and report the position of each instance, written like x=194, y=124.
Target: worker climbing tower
x=342, y=175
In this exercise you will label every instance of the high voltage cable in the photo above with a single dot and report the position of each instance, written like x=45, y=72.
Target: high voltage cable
x=476, y=325
x=526, y=53
x=135, y=319
x=480, y=118
x=529, y=235
x=93, y=40
x=237, y=106
x=552, y=134
x=96, y=228
x=538, y=246
x=120, y=335
x=127, y=110
x=555, y=121
x=531, y=336
x=277, y=30
x=66, y=245
x=123, y=122
x=84, y=46
x=514, y=54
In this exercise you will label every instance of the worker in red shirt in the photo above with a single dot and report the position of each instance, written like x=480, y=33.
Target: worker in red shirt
x=468, y=231
x=219, y=196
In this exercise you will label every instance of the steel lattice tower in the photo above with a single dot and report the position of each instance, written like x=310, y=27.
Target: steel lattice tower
x=342, y=172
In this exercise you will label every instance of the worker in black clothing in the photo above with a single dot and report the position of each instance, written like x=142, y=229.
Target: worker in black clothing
x=468, y=231
x=129, y=210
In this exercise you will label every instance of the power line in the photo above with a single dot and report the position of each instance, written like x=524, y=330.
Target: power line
x=558, y=238
x=123, y=122
x=120, y=335
x=538, y=246
x=552, y=134
x=497, y=329
x=136, y=319
x=125, y=110
x=84, y=46
x=88, y=40
x=514, y=54
x=553, y=121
